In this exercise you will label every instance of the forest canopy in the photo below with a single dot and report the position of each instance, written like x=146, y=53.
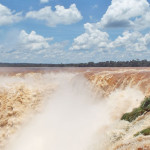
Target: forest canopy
x=131, y=63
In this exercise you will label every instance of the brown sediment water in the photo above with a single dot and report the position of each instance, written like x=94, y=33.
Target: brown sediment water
x=72, y=108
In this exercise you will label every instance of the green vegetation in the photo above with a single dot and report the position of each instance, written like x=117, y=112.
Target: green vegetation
x=133, y=115
x=131, y=63
x=146, y=104
x=143, y=108
x=143, y=132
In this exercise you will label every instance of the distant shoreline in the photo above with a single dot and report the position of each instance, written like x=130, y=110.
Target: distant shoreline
x=132, y=63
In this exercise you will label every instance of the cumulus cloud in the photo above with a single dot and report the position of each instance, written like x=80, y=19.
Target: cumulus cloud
x=33, y=41
x=33, y=44
x=95, y=39
x=60, y=16
x=7, y=16
x=132, y=41
x=91, y=39
x=44, y=1
x=124, y=13
x=133, y=14
x=32, y=47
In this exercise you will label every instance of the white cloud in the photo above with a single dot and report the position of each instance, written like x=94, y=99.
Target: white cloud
x=44, y=1
x=91, y=39
x=33, y=41
x=97, y=40
x=132, y=41
x=60, y=16
x=127, y=13
x=121, y=13
x=7, y=16
x=32, y=46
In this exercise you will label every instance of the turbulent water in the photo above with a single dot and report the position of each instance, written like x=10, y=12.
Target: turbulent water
x=72, y=108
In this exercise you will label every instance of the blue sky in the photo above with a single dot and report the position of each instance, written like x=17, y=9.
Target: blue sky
x=74, y=31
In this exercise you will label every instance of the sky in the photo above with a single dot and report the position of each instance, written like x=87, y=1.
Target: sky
x=74, y=31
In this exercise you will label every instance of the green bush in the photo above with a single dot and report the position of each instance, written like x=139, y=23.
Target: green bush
x=133, y=115
x=143, y=108
x=146, y=104
x=144, y=132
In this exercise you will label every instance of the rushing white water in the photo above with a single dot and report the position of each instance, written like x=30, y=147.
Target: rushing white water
x=73, y=117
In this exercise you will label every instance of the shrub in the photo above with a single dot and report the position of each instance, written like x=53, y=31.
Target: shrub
x=144, y=132
x=146, y=104
x=143, y=108
x=133, y=115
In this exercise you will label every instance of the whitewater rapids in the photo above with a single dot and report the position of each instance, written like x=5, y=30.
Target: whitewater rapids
x=66, y=110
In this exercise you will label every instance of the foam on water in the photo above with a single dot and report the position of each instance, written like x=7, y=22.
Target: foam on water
x=74, y=117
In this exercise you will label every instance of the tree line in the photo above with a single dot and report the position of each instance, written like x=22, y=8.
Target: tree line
x=131, y=63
